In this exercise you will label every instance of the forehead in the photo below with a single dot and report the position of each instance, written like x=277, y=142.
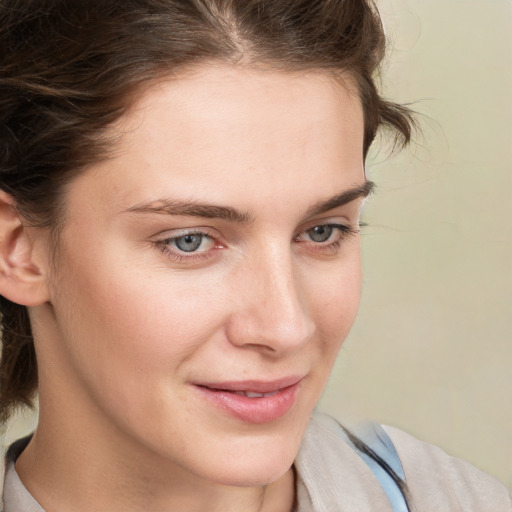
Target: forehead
x=227, y=97
x=215, y=131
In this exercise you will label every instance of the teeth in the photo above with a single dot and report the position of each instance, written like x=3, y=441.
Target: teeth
x=253, y=394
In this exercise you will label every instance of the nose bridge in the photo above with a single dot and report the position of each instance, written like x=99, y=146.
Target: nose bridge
x=275, y=314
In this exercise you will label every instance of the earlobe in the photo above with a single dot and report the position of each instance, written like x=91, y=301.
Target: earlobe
x=21, y=280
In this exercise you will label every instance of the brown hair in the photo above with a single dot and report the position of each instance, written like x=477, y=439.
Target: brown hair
x=68, y=69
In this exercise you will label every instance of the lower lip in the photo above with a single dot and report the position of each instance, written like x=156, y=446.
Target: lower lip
x=253, y=410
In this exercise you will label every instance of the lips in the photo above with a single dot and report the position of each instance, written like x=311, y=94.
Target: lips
x=252, y=401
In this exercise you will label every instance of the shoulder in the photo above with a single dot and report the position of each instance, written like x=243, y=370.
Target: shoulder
x=434, y=481
x=13, y=495
x=437, y=481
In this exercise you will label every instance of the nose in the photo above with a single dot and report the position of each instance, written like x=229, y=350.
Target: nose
x=271, y=312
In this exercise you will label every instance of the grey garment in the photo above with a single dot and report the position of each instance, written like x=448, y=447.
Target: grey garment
x=371, y=442
x=331, y=477
x=440, y=483
x=16, y=497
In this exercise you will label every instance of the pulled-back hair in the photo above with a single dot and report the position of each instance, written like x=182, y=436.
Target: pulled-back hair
x=69, y=69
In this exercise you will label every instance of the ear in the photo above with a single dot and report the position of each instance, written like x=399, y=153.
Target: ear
x=21, y=281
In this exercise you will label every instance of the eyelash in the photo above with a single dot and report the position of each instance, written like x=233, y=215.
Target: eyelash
x=327, y=247
x=330, y=247
x=182, y=256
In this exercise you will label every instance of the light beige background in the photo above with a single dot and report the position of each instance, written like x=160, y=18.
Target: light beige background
x=431, y=351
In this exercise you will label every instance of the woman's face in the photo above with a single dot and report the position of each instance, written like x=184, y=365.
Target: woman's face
x=207, y=274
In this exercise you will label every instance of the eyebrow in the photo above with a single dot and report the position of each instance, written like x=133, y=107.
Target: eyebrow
x=209, y=211
x=193, y=209
x=345, y=197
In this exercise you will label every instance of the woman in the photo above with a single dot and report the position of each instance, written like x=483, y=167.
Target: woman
x=181, y=186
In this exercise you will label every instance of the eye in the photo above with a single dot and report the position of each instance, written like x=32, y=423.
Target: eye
x=188, y=246
x=325, y=239
x=325, y=233
x=190, y=243
x=320, y=233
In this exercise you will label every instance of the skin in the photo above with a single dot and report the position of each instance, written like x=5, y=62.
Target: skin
x=125, y=323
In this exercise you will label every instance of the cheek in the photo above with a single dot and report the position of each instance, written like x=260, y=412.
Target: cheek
x=335, y=298
x=150, y=321
x=127, y=331
x=130, y=342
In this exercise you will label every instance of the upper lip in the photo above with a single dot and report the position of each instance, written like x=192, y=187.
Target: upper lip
x=258, y=386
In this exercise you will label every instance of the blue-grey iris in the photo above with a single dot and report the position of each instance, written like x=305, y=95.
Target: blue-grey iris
x=320, y=233
x=189, y=243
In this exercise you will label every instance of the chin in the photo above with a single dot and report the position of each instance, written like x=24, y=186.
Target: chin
x=260, y=462
x=253, y=473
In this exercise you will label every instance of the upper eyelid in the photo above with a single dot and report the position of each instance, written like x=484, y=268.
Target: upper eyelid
x=340, y=214
x=172, y=234
x=330, y=221
x=344, y=228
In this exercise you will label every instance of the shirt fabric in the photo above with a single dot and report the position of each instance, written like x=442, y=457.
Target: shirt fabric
x=331, y=477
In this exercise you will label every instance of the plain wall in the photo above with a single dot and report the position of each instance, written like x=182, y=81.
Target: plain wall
x=431, y=351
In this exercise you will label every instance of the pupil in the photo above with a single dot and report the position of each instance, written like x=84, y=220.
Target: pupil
x=189, y=243
x=320, y=233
